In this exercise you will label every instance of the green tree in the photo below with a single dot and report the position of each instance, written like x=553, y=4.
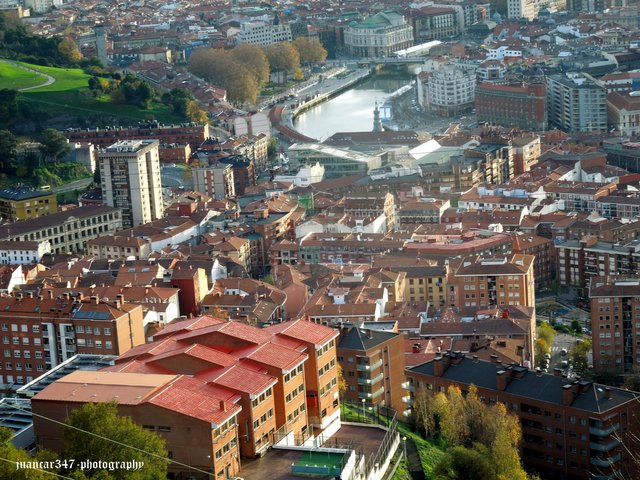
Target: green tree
x=576, y=327
x=254, y=60
x=53, y=145
x=196, y=114
x=8, y=144
x=69, y=50
x=579, y=360
x=104, y=423
x=310, y=50
x=283, y=58
x=465, y=463
x=10, y=455
x=8, y=105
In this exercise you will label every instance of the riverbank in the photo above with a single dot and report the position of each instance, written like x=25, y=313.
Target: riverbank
x=326, y=89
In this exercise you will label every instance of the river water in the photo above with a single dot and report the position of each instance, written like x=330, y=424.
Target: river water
x=350, y=111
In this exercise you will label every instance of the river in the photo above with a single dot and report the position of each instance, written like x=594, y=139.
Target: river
x=350, y=111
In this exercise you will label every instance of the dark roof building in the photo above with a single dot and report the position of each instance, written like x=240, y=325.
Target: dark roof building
x=570, y=428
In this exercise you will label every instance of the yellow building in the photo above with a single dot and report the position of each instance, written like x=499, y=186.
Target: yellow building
x=26, y=203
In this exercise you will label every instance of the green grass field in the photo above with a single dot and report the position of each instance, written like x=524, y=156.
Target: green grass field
x=69, y=94
x=15, y=77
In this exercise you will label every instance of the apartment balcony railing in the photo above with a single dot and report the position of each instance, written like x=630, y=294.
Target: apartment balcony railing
x=604, y=447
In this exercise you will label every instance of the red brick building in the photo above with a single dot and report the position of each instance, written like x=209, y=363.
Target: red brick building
x=519, y=104
x=372, y=364
x=40, y=332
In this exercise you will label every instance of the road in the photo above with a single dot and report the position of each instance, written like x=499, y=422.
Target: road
x=75, y=185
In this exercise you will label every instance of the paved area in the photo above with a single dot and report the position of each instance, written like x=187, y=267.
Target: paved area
x=276, y=464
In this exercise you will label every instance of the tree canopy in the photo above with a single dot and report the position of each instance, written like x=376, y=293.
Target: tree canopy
x=310, y=50
x=10, y=454
x=53, y=145
x=484, y=436
x=103, y=420
x=221, y=68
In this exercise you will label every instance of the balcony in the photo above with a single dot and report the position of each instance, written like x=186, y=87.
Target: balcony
x=604, y=432
x=377, y=378
x=407, y=399
x=408, y=386
x=610, y=476
x=378, y=392
x=365, y=368
x=604, y=447
x=365, y=395
x=605, y=462
x=364, y=381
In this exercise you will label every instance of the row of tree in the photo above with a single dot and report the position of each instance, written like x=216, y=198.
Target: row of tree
x=18, y=44
x=484, y=439
x=245, y=69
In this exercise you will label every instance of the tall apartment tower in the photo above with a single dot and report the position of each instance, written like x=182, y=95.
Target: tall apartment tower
x=217, y=181
x=615, y=320
x=576, y=103
x=130, y=171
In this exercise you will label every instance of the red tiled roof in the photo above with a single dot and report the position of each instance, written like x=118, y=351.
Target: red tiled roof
x=277, y=356
x=305, y=331
x=188, y=325
x=193, y=398
x=242, y=379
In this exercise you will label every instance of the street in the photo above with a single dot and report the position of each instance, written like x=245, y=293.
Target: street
x=75, y=185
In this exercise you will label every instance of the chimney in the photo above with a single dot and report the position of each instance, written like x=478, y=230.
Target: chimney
x=30, y=294
x=475, y=359
x=50, y=294
x=494, y=358
x=18, y=296
x=567, y=395
x=439, y=366
x=94, y=299
x=501, y=380
x=120, y=296
x=607, y=393
x=80, y=296
x=66, y=295
x=416, y=348
x=223, y=406
x=118, y=303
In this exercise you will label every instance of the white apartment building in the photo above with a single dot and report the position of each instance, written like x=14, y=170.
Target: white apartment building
x=130, y=171
x=448, y=91
x=517, y=9
x=67, y=231
x=217, y=181
x=261, y=33
x=576, y=103
x=24, y=252
x=378, y=35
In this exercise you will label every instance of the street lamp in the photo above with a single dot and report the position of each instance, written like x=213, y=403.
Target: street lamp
x=404, y=447
x=364, y=413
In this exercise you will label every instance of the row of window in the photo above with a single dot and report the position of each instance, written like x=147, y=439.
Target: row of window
x=27, y=366
x=263, y=419
x=328, y=386
x=294, y=372
x=96, y=330
x=296, y=413
x=295, y=393
x=20, y=354
x=25, y=341
x=97, y=344
x=328, y=366
x=263, y=396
